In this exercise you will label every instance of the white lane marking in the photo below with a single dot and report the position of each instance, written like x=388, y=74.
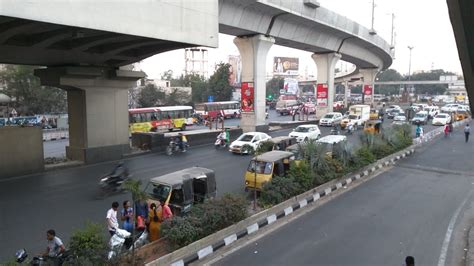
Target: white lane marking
x=449, y=233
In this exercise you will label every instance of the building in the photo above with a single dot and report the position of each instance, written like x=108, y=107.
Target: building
x=196, y=62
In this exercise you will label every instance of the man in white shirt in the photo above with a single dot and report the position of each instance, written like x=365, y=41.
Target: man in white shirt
x=112, y=223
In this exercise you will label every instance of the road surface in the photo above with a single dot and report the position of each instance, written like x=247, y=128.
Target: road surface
x=404, y=211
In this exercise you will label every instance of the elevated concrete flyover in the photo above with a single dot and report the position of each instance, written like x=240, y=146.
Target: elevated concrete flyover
x=84, y=46
x=304, y=25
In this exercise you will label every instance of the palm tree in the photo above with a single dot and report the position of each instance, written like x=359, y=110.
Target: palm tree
x=134, y=187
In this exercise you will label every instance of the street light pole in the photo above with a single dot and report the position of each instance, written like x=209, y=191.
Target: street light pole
x=372, y=30
x=392, y=45
x=409, y=64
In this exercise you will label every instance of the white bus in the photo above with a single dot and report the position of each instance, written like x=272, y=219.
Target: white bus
x=227, y=109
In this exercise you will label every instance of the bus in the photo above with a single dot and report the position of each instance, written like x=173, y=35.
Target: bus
x=154, y=119
x=227, y=109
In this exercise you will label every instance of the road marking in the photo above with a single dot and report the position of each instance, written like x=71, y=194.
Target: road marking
x=327, y=191
x=303, y=203
x=230, y=239
x=178, y=263
x=252, y=228
x=348, y=181
x=449, y=233
x=271, y=219
x=316, y=196
x=288, y=210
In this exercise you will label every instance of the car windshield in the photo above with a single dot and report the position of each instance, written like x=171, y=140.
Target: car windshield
x=302, y=129
x=441, y=116
x=420, y=115
x=158, y=191
x=352, y=116
x=262, y=167
x=329, y=116
x=246, y=137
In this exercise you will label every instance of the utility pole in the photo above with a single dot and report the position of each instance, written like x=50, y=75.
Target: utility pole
x=392, y=44
x=409, y=64
x=372, y=30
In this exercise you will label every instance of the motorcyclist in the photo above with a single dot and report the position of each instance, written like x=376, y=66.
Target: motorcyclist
x=119, y=173
x=350, y=128
x=54, y=249
x=181, y=140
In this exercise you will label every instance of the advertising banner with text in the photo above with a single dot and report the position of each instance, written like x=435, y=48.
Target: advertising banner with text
x=367, y=92
x=247, y=98
x=322, y=95
x=285, y=65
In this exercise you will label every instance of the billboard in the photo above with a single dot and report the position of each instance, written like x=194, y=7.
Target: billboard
x=291, y=86
x=322, y=95
x=247, y=97
x=285, y=65
x=235, y=70
x=367, y=93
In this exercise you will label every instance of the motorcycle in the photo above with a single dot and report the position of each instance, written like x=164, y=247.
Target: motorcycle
x=335, y=130
x=21, y=257
x=350, y=129
x=122, y=241
x=112, y=183
x=220, y=141
x=173, y=148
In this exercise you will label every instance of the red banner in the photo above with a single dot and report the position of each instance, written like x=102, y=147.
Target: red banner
x=367, y=90
x=322, y=94
x=247, y=97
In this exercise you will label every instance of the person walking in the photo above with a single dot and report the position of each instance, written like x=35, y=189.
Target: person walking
x=154, y=222
x=418, y=131
x=112, y=223
x=446, y=130
x=467, y=131
x=127, y=216
x=166, y=211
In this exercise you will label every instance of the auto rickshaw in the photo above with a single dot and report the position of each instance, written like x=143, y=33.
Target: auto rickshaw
x=461, y=115
x=373, y=126
x=374, y=115
x=280, y=143
x=181, y=189
x=267, y=165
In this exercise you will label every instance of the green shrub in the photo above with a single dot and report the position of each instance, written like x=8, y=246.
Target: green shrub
x=365, y=156
x=265, y=146
x=381, y=147
x=205, y=219
x=302, y=174
x=247, y=148
x=89, y=244
x=180, y=231
x=278, y=190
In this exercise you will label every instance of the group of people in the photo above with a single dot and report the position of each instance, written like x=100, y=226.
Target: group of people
x=147, y=217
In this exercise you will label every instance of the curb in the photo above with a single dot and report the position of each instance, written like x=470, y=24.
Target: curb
x=212, y=243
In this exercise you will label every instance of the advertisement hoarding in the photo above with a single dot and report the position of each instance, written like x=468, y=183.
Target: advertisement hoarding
x=285, y=65
x=235, y=70
x=367, y=93
x=322, y=95
x=291, y=86
x=247, y=97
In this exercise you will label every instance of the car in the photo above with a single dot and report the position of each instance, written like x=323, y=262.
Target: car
x=252, y=139
x=441, y=119
x=420, y=118
x=395, y=112
x=330, y=119
x=452, y=107
x=399, y=120
x=305, y=133
x=432, y=111
x=391, y=108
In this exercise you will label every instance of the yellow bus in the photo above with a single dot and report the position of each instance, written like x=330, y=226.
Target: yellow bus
x=154, y=119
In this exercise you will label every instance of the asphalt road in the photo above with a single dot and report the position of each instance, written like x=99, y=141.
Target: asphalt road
x=404, y=211
x=65, y=199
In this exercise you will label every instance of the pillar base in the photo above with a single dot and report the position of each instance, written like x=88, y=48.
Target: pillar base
x=97, y=154
x=247, y=123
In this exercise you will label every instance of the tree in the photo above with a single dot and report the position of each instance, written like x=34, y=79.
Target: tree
x=133, y=186
x=177, y=97
x=431, y=75
x=31, y=97
x=388, y=75
x=219, y=85
x=167, y=75
x=150, y=96
x=274, y=86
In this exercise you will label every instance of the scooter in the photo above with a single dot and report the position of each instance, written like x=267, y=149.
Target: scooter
x=21, y=257
x=111, y=183
x=173, y=148
x=220, y=141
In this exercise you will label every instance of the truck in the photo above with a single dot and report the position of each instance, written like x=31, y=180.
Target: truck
x=286, y=103
x=358, y=115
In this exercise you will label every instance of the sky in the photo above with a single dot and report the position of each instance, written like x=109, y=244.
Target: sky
x=422, y=24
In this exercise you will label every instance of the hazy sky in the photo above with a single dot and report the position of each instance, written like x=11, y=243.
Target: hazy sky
x=423, y=24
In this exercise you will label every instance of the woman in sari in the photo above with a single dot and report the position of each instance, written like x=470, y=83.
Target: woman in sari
x=154, y=222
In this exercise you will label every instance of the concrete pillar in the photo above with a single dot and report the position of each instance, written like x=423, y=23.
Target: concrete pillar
x=326, y=64
x=253, y=51
x=97, y=107
x=368, y=75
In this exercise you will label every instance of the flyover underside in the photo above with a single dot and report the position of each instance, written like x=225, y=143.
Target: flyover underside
x=37, y=43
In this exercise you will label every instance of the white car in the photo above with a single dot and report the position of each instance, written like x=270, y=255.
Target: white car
x=391, y=108
x=441, y=119
x=452, y=107
x=252, y=139
x=399, y=118
x=330, y=119
x=305, y=133
x=432, y=110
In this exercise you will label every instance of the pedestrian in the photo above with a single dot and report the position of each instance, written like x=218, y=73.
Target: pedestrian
x=141, y=209
x=154, y=222
x=166, y=211
x=410, y=261
x=112, y=223
x=418, y=131
x=422, y=132
x=127, y=216
x=467, y=131
x=446, y=130
x=450, y=125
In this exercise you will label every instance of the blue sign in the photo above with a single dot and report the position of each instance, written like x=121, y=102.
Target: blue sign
x=210, y=98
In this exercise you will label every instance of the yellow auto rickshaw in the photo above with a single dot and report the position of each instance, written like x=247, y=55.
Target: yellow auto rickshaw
x=263, y=167
x=460, y=115
x=373, y=126
x=374, y=115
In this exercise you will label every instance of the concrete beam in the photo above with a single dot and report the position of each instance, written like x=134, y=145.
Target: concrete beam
x=325, y=65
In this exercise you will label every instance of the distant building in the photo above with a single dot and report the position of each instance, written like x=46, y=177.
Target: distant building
x=196, y=61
